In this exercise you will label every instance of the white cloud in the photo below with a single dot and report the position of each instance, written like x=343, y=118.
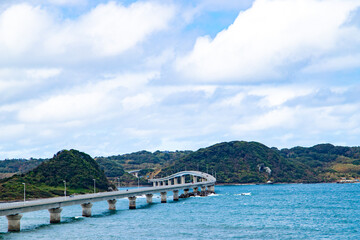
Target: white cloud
x=334, y=64
x=18, y=80
x=67, y=2
x=21, y=34
x=271, y=35
x=275, y=96
x=88, y=101
x=278, y=118
x=107, y=30
x=136, y=102
x=43, y=73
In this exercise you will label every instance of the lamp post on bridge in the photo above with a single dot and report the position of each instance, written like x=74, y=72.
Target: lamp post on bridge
x=65, y=188
x=94, y=185
x=24, y=193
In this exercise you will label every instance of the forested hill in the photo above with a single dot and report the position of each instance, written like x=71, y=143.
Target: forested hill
x=233, y=162
x=243, y=162
x=329, y=162
x=76, y=168
x=143, y=159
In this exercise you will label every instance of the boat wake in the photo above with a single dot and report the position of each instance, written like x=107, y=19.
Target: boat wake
x=244, y=194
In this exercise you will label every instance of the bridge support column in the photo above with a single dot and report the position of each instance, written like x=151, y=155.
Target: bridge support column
x=132, y=202
x=195, y=190
x=86, y=209
x=186, y=191
x=14, y=222
x=163, y=197
x=55, y=215
x=154, y=184
x=149, y=198
x=112, y=204
x=176, y=195
x=175, y=181
x=169, y=182
x=211, y=189
x=204, y=180
x=203, y=188
x=195, y=179
x=182, y=179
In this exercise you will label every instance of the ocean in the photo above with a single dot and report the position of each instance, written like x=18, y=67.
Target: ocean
x=278, y=211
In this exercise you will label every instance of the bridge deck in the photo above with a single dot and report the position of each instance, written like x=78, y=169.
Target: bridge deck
x=57, y=202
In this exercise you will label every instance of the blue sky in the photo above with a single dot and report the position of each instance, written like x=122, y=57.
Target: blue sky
x=112, y=77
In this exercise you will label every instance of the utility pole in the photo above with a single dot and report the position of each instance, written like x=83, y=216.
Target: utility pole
x=24, y=193
x=65, y=188
x=94, y=185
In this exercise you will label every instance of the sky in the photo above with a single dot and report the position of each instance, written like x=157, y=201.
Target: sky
x=114, y=77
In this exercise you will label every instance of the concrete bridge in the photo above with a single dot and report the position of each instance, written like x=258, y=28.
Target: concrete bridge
x=13, y=210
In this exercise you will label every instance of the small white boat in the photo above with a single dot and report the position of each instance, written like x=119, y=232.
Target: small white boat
x=246, y=194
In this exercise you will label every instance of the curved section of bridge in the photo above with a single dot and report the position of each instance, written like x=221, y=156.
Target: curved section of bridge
x=195, y=176
x=162, y=185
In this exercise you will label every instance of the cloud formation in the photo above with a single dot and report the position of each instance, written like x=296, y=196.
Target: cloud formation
x=265, y=41
x=107, y=30
x=109, y=78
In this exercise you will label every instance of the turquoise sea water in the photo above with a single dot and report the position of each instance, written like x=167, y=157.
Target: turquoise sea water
x=284, y=211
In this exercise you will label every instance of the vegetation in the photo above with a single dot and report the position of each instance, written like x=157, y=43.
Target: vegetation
x=230, y=162
x=19, y=165
x=329, y=162
x=144, y=159
x=76, y=168
x=243, y=162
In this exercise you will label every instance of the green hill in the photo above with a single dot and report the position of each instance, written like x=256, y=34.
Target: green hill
x=13, y=166
x=142, y=159
x=243, y=162
x=76, y=168
x=329, y=162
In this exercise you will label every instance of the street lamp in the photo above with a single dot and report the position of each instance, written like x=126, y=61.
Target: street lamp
x=94, y=185
x=24, y=193
x=65, y=188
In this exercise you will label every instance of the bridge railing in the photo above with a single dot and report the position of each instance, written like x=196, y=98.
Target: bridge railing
x=13, y=210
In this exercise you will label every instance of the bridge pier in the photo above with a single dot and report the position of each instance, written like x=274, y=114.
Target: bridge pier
x=176, y=195
x=14, y=222
x=196, y=190
x=112, y=204
x=163, y=197
x=175, y=181
x=55, y=215
x=169, y=182
x=86, y=209
x=149, y=198
x=132, y=202
x=195, y=179
x=154, y=184
x=186, y=191
x=203, y=188
x=211, y=189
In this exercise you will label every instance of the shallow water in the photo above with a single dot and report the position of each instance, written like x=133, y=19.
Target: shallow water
x=285, y=211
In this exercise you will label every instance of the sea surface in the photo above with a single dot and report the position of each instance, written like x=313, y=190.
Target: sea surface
x=279, y=211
